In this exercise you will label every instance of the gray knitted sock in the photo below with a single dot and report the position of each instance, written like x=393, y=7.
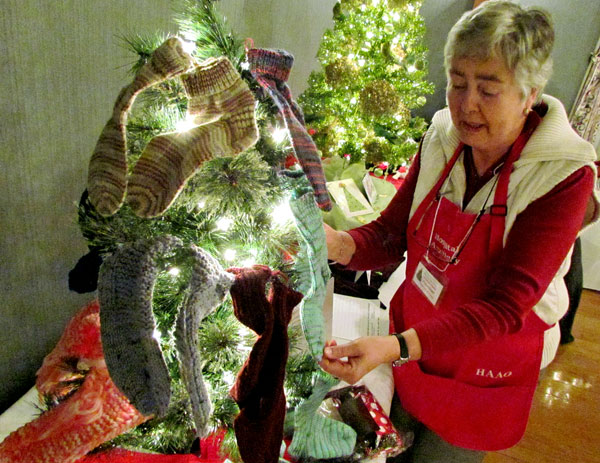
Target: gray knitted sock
x=207, y=288
x=133, y=356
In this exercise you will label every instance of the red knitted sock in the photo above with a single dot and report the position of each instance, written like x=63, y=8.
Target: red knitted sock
x=258, y=390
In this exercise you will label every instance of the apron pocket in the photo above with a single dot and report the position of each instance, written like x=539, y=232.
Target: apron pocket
x=473, y=417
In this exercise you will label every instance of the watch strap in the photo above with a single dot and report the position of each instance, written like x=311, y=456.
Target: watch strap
x=404, y=356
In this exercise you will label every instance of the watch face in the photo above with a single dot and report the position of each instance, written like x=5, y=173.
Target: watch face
x=399, y=362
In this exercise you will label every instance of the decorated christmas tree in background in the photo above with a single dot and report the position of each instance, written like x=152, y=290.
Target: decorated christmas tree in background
x=373, y=74
x=234, y=207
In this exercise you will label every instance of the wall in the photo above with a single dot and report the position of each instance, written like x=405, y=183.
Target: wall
x=577, y=26
x=63, y=66
x=295, y=26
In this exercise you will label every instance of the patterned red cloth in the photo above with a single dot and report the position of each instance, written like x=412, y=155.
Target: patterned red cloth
x=127, y=456
x=97, y=411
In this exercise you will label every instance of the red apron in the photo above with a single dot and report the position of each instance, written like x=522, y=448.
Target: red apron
x=478, y=397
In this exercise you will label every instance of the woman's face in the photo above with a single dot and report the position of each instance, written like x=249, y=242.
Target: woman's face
x=486, y=105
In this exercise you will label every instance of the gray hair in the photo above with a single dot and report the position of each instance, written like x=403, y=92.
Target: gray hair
x=522, y=37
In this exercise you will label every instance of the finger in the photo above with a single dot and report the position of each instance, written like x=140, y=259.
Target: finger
x=337, y=368
x=345, y=350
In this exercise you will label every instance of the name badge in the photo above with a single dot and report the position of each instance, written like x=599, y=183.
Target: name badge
x=428, y=284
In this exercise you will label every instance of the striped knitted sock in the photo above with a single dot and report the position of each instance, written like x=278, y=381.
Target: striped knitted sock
x=207, y=288
x=313, y=270
x=271, y=69
x=217, y=94
x=317, y=436
x=108, y=165
x=133, y=356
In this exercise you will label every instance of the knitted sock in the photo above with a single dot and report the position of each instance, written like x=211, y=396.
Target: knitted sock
x=313, y=270
x=108, y=164
x=94, y=412
x=133, y=356
x=217, y=94
x=317, y=436
x=207, y=288
x=271, y=69
x=259, y=385
x=97, y=412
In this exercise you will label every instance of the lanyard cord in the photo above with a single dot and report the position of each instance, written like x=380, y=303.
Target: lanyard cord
x=463, y=242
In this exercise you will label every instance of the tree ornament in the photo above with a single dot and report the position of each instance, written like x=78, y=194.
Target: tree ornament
x=398, y=3
x=403, y=113
x=377, y=150
x=379, y=98
x=352, y=3
x=340, y=72
x=393, y=52
x=337, y=12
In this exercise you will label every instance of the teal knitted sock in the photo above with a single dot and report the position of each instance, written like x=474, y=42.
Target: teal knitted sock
x=312, y=268
x=317, y=436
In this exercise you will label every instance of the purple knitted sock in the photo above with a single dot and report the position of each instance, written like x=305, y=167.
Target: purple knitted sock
x=271, y=69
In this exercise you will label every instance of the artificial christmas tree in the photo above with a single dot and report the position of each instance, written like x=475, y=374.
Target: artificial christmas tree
x=229, y=201
x=373, y=74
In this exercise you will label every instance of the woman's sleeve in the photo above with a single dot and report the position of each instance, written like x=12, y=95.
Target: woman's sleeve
x=536, y=246
x=383, y=241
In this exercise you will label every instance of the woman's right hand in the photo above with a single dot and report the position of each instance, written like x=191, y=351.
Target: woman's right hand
x=350, y=362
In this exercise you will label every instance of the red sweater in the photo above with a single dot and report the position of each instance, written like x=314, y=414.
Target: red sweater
x=536, y=246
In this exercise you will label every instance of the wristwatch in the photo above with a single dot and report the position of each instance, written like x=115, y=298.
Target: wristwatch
x=404, y=357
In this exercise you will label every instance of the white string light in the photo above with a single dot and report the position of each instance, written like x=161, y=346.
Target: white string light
x=174, y=271
x=224, y=223
x=282, y=213
x=189, y=46
x=279, y=135
x=229, y=255
x=249, y=262
x=185, y=124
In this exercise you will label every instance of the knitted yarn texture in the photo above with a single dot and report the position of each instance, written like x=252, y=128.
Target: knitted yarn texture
x=316, y=435
x=108, y=165
x=208, y=286
x=133, y=355
x=312, y=267
x=263, y=302
x=95, y=412
x=271, y=69
x=223, y=106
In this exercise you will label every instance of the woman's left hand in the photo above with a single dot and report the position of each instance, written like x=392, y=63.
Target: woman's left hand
x=363, y=355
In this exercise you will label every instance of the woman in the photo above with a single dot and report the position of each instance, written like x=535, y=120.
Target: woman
x=487, y=215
